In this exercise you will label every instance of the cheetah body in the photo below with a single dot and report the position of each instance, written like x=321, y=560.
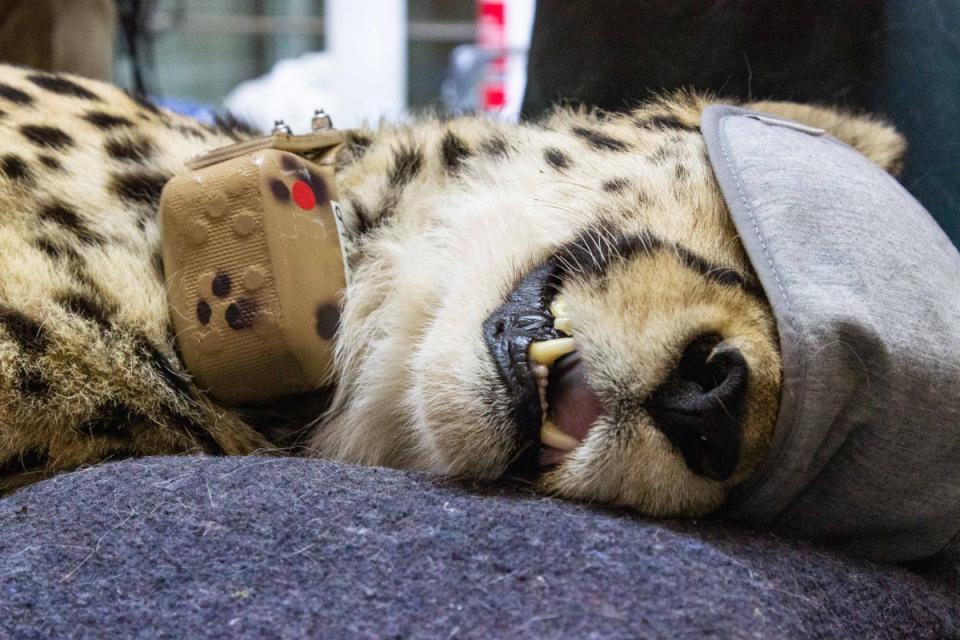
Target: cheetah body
x=446, y=218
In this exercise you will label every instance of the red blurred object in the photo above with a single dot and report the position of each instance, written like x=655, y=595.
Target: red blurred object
x=492, y=38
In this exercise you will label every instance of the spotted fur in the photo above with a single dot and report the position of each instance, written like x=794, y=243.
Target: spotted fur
x=446, y=217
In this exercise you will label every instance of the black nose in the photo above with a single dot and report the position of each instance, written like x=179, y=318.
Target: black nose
x=700, y=406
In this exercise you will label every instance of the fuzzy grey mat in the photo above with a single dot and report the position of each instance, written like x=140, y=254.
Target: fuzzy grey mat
x=195, y=547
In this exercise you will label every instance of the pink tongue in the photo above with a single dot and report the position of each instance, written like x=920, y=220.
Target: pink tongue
x=574, y=406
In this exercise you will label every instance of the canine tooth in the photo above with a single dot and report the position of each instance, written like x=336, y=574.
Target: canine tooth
x=563, y=324
x=548, y=351
x=551, y=436
x=558, y=308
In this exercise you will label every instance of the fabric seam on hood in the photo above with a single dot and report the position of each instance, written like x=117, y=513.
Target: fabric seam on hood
x=776, y=455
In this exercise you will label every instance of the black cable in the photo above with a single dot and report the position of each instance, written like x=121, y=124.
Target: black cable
x=134, y=18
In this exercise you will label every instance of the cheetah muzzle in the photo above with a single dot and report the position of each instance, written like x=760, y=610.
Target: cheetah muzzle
x=698, y=407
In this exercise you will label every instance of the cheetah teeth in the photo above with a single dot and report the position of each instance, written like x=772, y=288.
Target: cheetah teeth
x=542, y=355
x=563, y=324
x=549, y=351
x=558, y=308
x=552, y=436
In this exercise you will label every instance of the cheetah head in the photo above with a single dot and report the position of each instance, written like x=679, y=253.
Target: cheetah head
x=567, y=299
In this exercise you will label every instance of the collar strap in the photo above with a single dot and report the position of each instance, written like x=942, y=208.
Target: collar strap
x=254, y=254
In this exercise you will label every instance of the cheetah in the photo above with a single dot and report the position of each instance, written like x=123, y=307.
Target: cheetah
x=534, y=298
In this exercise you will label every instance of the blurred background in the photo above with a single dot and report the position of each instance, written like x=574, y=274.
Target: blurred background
x=280, y=59
x=360, y=60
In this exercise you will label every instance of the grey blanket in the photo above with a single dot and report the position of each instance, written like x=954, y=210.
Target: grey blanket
x=196, y=547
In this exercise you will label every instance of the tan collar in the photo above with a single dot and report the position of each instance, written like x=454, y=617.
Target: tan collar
x=254, y=250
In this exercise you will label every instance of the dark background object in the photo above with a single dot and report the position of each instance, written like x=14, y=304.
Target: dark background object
x=74, y=36
x=896, y=58
x=137, y=38
x=921, y=95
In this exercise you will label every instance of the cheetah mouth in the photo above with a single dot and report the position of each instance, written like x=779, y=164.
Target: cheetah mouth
x=551, y=400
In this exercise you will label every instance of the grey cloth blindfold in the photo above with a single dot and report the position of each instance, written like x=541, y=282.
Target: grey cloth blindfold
x=865, y=288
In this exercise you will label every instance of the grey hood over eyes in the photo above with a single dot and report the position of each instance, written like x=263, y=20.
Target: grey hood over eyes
x=865, y=288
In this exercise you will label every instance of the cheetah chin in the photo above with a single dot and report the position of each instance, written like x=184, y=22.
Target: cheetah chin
x=566, y=298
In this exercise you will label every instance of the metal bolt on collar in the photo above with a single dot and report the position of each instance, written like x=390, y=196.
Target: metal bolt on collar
x=281, y=127
x=321, y=121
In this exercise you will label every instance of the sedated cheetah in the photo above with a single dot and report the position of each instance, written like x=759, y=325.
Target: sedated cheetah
x=475, y=239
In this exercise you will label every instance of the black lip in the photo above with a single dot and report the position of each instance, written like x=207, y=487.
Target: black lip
x=509, y=330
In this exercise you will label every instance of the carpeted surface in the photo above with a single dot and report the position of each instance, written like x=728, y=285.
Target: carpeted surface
x=197, y=547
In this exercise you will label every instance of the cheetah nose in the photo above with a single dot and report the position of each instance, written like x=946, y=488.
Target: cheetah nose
x=700, y=406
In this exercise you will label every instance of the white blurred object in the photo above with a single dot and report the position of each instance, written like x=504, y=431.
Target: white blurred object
x=361, y=77
x=291, y=92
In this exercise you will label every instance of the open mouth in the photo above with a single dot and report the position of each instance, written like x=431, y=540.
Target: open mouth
x=570, y=406
x=531, y=340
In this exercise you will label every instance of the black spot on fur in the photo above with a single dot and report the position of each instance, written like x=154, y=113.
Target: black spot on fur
x=30, y=382
x=2, y=114
x=156, y=262
x=362, y=216
x=406, y=165
x=29, y=334
x=599, y=140
x=230, y=125
x=113, y=419
x=106, y=121
x=358, y=142
x=454, y=151
x=62, y=86
x=387, y=207
x=62, y=215
x=13, y=167
x=495, y=146
x=191, y=132
x=661, y=153
x=87, y=308
x=67, y=259
x=240, y=314
x=139, y=187
x=358, y=138
x=56, y=251
x=615, y=185
x=170, y=373
x=48, y=247
x=665, y=122
x=14, y=95
x=137, y=150
x=145, y=216
x=556, y=158
x=47, y=137
x=50, y=162
x=594, y=250
x=681, y=172
x=32, y=461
